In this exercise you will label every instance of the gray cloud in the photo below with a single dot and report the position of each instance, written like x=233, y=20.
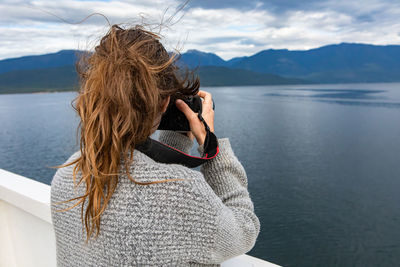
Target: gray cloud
x=224, y=39
x=275, y=6
x=252, y=41
x=236, y=4
x=241, y=40
x=228, y=28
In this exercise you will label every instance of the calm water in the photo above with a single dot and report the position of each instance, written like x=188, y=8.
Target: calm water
x=322, y=163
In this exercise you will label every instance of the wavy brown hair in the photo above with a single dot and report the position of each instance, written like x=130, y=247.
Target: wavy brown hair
x=122, y=86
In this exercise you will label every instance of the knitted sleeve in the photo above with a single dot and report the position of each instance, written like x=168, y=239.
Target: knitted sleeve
x=237, y=225
x=222, y=183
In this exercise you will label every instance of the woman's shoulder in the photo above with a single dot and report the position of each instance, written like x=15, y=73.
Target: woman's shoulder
x=64, y=174
x=183, y=180
x=187, y=189
x=70, y=159
x=142, y=169
x=145, y=169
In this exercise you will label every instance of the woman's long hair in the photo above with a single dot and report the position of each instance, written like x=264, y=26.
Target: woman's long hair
x=122, y=86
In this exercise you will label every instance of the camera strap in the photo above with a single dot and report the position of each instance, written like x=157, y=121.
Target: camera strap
x=164, y=153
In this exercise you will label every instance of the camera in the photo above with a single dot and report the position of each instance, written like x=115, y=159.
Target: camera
x=175, y=120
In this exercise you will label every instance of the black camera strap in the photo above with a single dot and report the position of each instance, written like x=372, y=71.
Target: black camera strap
x=164, y=153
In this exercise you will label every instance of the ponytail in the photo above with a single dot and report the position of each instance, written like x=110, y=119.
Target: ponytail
x=122, y=86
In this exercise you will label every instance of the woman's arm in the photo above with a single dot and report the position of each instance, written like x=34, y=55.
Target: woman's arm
x=237, y=226
x=221, y=190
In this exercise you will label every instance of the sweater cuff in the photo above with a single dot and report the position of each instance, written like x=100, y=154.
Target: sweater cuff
x=224, y=146
x=225, y=162
x=176, y=140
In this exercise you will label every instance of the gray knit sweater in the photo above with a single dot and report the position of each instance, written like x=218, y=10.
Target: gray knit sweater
x=201, y=221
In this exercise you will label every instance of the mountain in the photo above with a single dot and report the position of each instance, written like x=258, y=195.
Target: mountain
x=337, y=63
x=61, y=58
x=65, y=79
x=38, y=80
x=56, y=72
x=195, y=58
x=224, y=76
x=340, y=63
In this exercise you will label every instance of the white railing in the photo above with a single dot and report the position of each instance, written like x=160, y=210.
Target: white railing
x=26, y=231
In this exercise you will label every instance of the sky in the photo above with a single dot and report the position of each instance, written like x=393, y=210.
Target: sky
x=230, y=28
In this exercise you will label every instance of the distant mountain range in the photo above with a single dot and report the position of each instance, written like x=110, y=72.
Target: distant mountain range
x=341, y=63
x=61, y=58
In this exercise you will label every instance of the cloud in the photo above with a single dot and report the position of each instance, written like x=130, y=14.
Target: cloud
x=228, y=28
x=275, y=6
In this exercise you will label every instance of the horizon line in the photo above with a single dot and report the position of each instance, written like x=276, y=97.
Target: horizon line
x=196, y=50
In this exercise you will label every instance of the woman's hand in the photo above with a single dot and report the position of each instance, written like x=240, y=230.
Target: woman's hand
x=196, y=126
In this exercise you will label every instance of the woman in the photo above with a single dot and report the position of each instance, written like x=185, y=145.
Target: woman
x=130, y=210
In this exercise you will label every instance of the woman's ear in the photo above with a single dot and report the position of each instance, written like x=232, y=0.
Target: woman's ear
x=165, y=104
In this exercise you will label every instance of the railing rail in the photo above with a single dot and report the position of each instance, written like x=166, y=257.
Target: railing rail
x=26, y=230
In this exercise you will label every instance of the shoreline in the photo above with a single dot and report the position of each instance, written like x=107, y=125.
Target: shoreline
x=38, y=92
x=277, y=85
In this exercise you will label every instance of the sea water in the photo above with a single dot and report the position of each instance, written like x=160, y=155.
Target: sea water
x=322, y=162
